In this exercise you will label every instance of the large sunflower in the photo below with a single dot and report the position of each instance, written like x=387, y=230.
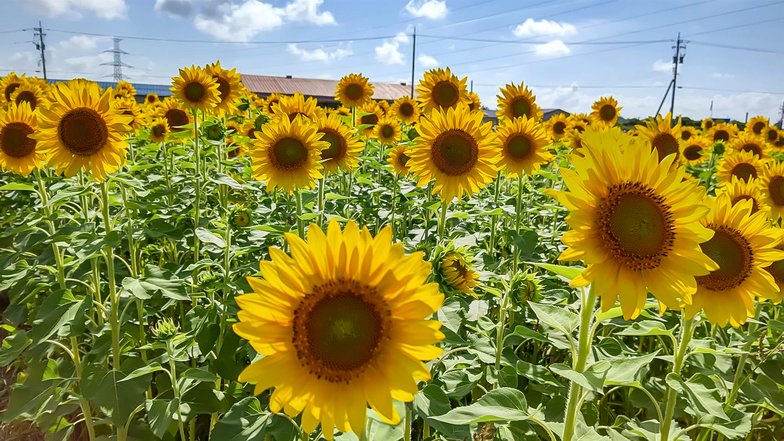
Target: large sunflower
x=291, y=106
x=722, y=131
x=516, y=101
x=344, y=147
x=175, y=115
x=286, y=153
x=696, y=150
x=749, y=142
x=605, y=111
x=523, y=144
x=441, y=89
x=406, y=109
x=456, y=149
x=229, y=87
x=771, y=133
x=740, y=190
x=388, y=131
x=369, y=115
x=8, y=85
x=556, y=126
x=661, y=136
x=152, y=98
x=756, y=125
x=353, y=90
x=158, y=129
x=342, y=325
x=634, y=223
x=773, y=188
x=743, y=245
x=688, y=132
x=474, y=103
x=80, y=130
x=29, y=92
x=124, y=89
x=458, y=274
x=706, y=125
x=128, y=107
x=744, y=165
x=19, y=153
x=196, y=89
x=398, y=159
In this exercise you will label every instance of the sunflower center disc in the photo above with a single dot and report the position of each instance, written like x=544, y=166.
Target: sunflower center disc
x=339, y=329
x=446, y=94
x=387, y=131
x=194, y=92
x=403, y=159
x=776, y=190
x=519, y=146
x=685, y=135
x=521, y=107
x=754, y=207
x=773, y=135
x=607, y=112
x=777, y=271
x=635, y=226
x=223, y=88
x=371, y=119
x=289, y=153
x=753, y=148
x=10, y=89
x=692, y=152
x=176, y=119
x=744, y=171
x=732, y=252
x=455, y=152
x=665, y=145
x=158, y=131
x=708, y=125
x=83, y=131
x=336, y=149
x=721, y=135
x=150, y=99
x=406, y=109
x=251, y=133
x=354, y=92
x=757, y=128
x=559, y=128
x=14, y=141
x=27, y=97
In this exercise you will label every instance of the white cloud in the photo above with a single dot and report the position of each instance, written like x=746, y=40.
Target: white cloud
x=308, y=11
x=722, y=76
x=662, y=66
x=432, y=9
x=109, y=9
x=320, y=54
x=389, y=53
x=175, y=8
x=231, y=22
x=531, y=27
x=427, y=61
x=401, y=37
x=87, y=63
x=552, y=48
x=79, y=43
x=25, y=58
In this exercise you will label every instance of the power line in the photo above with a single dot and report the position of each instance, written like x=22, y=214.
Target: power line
x=740, y=48
x=737, y=26
x=530, y=42
x=730, y=90
x=14, y=30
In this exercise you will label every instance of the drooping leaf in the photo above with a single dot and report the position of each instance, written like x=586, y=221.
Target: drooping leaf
x=567, y=272
x=13, y=346
x=592, y=378
x=246, y=421
x=556, y=317
x=106, y=389
x=503, y=404
x=156, y=280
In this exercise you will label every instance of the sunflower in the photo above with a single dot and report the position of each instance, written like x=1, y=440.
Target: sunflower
x=152, y=98
x=574, y=139
x=743, y=245
x=18, y=152
x=353, y=90
x=456, y=149
x=286, y=153
x=706, y=125
x=344, y=148
x=128, y=107
x=441, y=89
x=228, y=87
x=696, y=150
x=30, y=93
x=175, y=115
x=773, y=188
x=756, y=125
x=474, y=103
x=523, y=146
x=722, y=131
x=369, y=115
x=387, y=131
x=384, y=105
x=124, y=89
x=196, y=89
x=158, y=129
x=8, y=85
x=740, y=190
x=249, y=130
x=771, y=134
x=406, y=109
x=398, y=159
x=516, y=101
x=605, y=111
x=581, y=117
x=342, y=326
x=634, y=223
x=688, y=132
x=292, y=106
x=776, y=269
x=778, y=144
x=556, y=126
x=271, y=102
x=342, y=111
x=661, y=136
x=744, y=165
x=80, y=130
x=458, y=274
x=577, y=124
x=749, y=142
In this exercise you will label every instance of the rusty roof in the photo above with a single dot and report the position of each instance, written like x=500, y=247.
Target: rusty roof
x=323, y=89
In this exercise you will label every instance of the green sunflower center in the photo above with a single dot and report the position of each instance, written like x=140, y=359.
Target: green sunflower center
x=686, y=135
x=354, y=92
x=289, y=154
x=665, y=145
x=559, y=128
x=337, y=145
x=733, y=253
x=455, y=152
x=403, y=159
x=752, y=147
x=519, y=147
x=607, y=112
x=83, y=132
x=177, y=118
x=757, y=127
x=446, y=94
x=721, y=135
x=194, y=92
x=520, y=107
x=406, y=110
x=744, y=171
x=14, y=141
x=776, y=190
x=692, y=152
x=26, y=97
x=339, y=329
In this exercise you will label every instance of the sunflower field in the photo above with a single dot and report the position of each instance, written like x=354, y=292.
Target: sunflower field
x=218, y=266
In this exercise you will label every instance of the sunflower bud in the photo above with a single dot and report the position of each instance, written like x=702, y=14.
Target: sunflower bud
x=240, y=217
x=165, y=329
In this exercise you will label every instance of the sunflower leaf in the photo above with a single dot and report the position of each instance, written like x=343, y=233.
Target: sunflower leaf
x=503, y=404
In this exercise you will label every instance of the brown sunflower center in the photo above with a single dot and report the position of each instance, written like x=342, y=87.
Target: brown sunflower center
x=777, y=271
x=370, y=118
x=459, y=266
x=406, y=109
x=14, y=141
x=520, y=107
x=403, y=160
x=339, y=329
x=518, y=147
x=757, y=127
x=83, y=132
x=177, y=118
x=251, y=133
x=354, y=91
x=607, y=112
x=721, y=135
x=773, y=135
x=559, y=128
x=151, y=99
x=752, y=147
x=744, y=171
x=224, y=88
x=665, y=145
x=27, y=97
x=580, y=128
x=446, y=94
x=337, y=145
x=754, y=206
x=733, y=253
x=692, y=152
x=455, y=152
x=9, y=89
x=288, y=154
x=194, y=92
x=686, y=135
x=708, y=125
x=158, y=130
x=387, y=131
x=779, y=142
x=635, y=225
x=776, y=190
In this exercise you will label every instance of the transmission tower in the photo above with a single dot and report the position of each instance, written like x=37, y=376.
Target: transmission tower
x=117, y=63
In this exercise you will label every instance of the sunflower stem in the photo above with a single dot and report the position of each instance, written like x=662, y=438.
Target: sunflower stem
x=499, y=342
x=407, y=427
x=197, y=203
x=518, y=203
x=736, y=381
x=58, y=257
x=687, y=330
x=578, y=364
x=494, y=220
x=395, y=191
x=114, y=299
x=322, y=184
x=442, y=220
x=175, y=386
x=300, y=224
x=94, y=262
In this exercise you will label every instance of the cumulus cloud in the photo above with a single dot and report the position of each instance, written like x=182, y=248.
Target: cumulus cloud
x=320, y=54
x=401, y=37
x=308, y=11
x=532, y=28
x=389, y=53
x=25, y=58
x=552, y=49
x=427, y=61
x=722, y=76
x=432, y=9
x=79, y=43
x=662, y=66
x=109, y=9
x=86, y=63
x=175, y=8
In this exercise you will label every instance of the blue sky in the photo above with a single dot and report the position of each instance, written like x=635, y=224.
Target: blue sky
x=559, y=47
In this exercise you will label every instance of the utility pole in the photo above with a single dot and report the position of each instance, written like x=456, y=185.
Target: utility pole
x=117, y=63
x=39, y=32
x=678, y=59
x=472, y=85
x=781, y=117
x=413, y=64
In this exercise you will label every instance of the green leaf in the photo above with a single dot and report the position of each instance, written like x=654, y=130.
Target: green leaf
x=525, y=242
x=432, y=401
x=199, y=374
x=144, y=370
x=616, y=311
x=556, y=317
x=592, y=378
x=106, y=388
x=159, y=227
x=206, y=237
x=537, y=373
x=13, y=346
x=245, y=421
x=567, y=272
x=161, y=414
x=646, y=328
x=503, y=404
x=227, y=180
x=737, y=425
x=156, y=280
x=625, y=370
x=18, y=186
x=27, y=398
x=527, y=333
x=701, y=392
x=56, y=313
